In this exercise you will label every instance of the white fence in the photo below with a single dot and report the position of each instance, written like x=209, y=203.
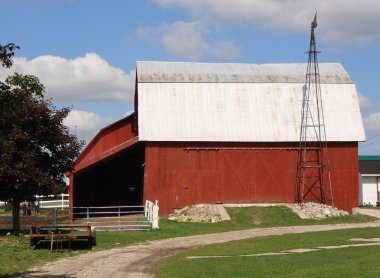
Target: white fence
x=50, y=201
x=53, y=201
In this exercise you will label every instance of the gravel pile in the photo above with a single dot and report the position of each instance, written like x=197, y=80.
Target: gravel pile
x=319, y=211
x=197, y=214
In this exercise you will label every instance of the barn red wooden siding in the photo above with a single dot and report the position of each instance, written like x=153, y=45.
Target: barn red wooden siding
x=180, y=174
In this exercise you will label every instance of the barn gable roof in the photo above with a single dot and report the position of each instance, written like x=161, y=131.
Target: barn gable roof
x=240, y=102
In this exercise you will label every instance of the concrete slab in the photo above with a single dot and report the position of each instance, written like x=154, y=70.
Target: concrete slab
x=370, y=212
x=350, y=245
x=331, y=247
x=263, y=254
x=372, y=242
x=223, y=213
x=300, y=250
x=375, y=239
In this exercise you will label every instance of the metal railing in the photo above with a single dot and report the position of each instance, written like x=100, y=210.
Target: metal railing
x=108, y=218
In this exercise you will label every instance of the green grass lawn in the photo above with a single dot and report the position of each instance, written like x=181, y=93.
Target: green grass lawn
x=16, y=255
x=241, y=218
x=346, y=262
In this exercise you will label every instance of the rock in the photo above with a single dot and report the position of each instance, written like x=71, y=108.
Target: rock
x=327, y=212
x=355, y=211
x=202, y=213
x=319, y=211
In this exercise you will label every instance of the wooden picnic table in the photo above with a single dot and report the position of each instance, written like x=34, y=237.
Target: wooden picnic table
x=62, y=233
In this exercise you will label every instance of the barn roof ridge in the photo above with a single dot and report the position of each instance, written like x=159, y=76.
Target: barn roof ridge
x=193, y=72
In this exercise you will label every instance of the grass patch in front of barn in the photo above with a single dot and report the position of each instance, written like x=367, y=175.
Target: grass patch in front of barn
x=241, y=219
x=16, y=254
x=344, y=262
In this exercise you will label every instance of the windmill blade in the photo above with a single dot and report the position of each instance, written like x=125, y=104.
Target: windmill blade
x=314, y=23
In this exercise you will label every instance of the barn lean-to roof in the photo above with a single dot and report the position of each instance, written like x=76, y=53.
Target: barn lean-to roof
x=108, y=141
x=240, y=102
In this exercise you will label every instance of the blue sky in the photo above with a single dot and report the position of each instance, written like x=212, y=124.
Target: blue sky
x=84, y=51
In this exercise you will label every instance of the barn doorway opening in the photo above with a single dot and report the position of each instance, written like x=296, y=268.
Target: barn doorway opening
x=115, y=181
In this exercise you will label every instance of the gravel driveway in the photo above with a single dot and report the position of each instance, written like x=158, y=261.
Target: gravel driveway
x=139, y=260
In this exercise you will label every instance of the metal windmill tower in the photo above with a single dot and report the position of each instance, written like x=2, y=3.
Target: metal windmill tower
x=313, y=182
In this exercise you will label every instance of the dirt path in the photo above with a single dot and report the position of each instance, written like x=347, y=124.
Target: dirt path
x=139, y=260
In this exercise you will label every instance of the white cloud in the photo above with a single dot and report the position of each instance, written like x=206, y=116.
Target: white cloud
x=83, y=79
x=183, y=39
x=372, y=128
x=364, y=102
x=86, y=124
x=340, y=21
x=372, y=124
x=145, y=33
x=187, y=40
x=225, y=50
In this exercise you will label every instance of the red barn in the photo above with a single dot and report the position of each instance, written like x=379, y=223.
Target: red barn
x=218, y=133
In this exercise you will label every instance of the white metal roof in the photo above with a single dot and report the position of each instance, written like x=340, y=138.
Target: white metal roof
x=179, y=72
x=233, y=111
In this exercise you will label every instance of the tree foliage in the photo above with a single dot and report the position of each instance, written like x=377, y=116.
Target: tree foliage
x=36, y=148
x=6, y=53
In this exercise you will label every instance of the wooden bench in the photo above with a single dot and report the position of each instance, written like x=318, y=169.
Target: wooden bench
x=62, y=233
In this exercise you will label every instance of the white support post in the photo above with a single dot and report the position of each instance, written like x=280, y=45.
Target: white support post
x=151, y=205
x=88, y=216
x=146, y=209
x=155, y=217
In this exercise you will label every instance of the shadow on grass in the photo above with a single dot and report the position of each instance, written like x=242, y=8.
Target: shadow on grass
x=4, y=232
x=30, y=274
x=65, y=245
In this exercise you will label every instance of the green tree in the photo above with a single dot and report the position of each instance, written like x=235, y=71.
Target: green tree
x=36, y=148
x=6, y=53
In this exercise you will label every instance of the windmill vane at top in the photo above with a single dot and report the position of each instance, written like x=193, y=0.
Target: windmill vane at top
x=314, y=23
